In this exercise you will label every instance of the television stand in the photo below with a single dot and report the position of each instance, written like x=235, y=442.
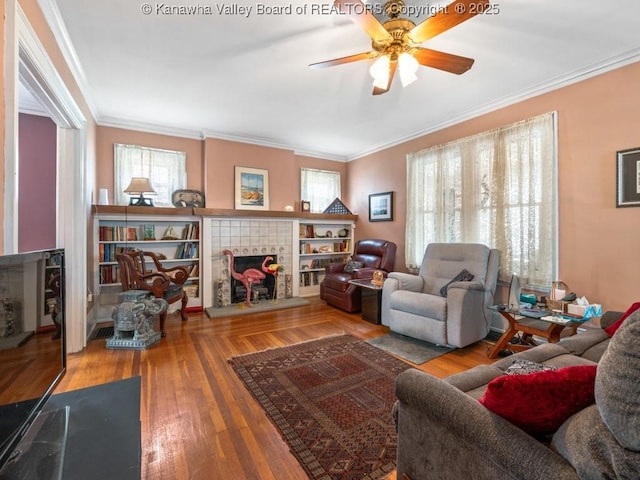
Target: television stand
x=102, y=441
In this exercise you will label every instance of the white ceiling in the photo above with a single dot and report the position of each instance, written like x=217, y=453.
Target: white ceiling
x=246, y=78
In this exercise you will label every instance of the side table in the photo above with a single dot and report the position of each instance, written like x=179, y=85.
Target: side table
x=527, y=326
x=371, y=295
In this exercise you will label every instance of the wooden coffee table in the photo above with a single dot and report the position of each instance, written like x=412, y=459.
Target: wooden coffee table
x=371, y=295
x=527, y=327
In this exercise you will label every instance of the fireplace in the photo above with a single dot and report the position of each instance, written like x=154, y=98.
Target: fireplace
x=247, y=238
x=260, y=290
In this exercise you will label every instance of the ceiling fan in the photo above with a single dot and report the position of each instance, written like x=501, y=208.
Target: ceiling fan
x=396, y=42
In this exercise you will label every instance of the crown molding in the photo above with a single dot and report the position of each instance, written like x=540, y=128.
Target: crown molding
x=127, y=124
x=264, y=142
x=54, y=19
x=571, y=78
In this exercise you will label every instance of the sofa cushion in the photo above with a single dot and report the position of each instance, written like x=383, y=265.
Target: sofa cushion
x=587, y=444
x=520, y=366
x=423, y=305
x=540, y=402
x=463, y=276
x=611, y=329
x=617, y=386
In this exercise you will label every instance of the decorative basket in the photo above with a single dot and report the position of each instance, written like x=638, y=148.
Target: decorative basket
x=554, y=300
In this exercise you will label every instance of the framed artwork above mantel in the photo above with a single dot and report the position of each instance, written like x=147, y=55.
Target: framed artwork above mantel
x=251, y=188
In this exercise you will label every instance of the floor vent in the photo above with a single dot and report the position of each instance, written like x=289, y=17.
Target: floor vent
x=103, y=332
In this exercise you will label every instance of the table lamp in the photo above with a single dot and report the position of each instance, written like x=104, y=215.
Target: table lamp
x=140, y=186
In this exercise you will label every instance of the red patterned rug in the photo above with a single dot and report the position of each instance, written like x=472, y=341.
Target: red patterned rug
x=331, y=401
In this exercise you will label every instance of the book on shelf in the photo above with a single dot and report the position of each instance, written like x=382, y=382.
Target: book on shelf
x=109, y=274
x=187, y=250
x=191, y=231
x=115, y=233
x=107, y=252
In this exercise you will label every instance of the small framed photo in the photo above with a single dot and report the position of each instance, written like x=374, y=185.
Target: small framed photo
x=187, y=198
x=381, y=207
x=628, y=178
x=251, y=189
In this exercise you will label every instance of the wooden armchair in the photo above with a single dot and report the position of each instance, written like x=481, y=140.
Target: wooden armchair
x=162, y=282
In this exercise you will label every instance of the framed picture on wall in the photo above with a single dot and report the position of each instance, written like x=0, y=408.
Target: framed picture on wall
x=251, y=189
x=381, y=207
x=628, y=178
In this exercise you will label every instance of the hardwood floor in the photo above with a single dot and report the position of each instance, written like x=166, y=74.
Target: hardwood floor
x=198, y=420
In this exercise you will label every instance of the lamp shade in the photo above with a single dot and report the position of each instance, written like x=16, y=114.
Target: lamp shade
x=140, y=185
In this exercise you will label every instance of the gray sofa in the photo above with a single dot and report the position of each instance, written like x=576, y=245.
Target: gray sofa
x=445, y=433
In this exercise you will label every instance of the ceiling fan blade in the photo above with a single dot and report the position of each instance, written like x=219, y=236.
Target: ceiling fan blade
x=442, y=61
x=349, y=59
x=361, y=16
x=454, y=14
x=392, y=70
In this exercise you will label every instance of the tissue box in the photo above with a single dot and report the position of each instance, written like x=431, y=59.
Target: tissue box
x=585, y=311
x=575, y=309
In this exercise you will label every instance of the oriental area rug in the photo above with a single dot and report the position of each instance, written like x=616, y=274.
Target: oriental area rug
x=331, y=401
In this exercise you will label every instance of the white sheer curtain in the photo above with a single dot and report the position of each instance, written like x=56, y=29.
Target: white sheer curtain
x=498, y=188
x=319, y=187
x=166, y=169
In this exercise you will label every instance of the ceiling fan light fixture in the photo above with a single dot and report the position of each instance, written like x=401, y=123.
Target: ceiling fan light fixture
x=380, y=71
x=408, y=67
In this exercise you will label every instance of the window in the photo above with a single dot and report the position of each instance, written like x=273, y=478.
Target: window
x=496, y=188
x=319, y=187
x=165, y=168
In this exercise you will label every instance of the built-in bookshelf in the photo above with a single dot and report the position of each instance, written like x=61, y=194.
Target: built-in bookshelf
x=321, y=243
x=174, y=239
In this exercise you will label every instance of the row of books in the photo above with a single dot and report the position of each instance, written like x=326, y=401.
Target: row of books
x=187, y=250
x=323, y=262
x=124, y=233
x=107, y=252
x=336, y=247
x=308, y=279
x=117, y=233
x=111, y=274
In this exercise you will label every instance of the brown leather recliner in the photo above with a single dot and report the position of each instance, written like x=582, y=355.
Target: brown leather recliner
x=335, y=288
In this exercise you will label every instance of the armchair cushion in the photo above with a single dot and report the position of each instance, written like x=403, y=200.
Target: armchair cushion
x=540, y=402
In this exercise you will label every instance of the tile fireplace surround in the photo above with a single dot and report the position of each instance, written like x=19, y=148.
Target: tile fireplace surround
x=247, y=237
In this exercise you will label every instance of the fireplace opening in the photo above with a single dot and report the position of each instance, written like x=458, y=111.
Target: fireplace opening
x=261, y=290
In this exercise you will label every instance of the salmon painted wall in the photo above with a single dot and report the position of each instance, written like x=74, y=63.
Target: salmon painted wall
x=211, y=165
x=222, y=156
x=106, y=137
x=37, y=183
x=598, y=254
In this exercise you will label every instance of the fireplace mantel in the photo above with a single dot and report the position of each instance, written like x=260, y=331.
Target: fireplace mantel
x=219, y=212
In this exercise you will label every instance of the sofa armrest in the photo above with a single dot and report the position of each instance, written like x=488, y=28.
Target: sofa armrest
x=609, y=317
x=334, y=267
x=444, y=433
x=366, y=272
x=406, y=281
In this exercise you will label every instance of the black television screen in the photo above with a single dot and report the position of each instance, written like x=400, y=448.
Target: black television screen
x=32, y=340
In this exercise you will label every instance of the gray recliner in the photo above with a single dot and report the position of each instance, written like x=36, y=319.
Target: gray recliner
x=413, y=305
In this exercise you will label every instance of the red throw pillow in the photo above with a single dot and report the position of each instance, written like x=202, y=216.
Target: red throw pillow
x=611, y=329
x=539, y=403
